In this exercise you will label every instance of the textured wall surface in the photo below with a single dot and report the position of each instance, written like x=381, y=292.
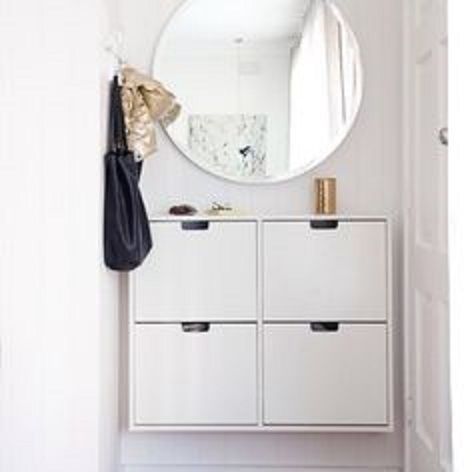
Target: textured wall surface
x=57, y=303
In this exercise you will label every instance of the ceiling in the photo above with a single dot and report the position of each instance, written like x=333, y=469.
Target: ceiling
x=226, y=20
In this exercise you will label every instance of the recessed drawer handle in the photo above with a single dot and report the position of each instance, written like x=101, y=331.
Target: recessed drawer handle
x=326, y=327
x=324, y=224
x=195, y=327
x=195, y=225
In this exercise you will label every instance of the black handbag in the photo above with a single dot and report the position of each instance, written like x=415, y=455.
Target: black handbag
x=127, y=236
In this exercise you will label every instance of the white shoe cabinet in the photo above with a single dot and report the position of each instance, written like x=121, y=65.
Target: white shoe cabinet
x=264, y=324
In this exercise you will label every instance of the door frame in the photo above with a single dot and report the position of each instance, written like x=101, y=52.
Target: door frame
x=407, y=94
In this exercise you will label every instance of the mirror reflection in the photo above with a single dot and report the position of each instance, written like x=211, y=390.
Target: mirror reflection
x=268, y=89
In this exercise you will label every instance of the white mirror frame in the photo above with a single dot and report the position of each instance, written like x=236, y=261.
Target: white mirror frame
x=313, y=164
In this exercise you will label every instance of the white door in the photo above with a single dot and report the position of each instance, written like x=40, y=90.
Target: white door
x=426, y=274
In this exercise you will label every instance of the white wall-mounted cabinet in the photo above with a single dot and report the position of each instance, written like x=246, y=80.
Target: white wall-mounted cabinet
x=263, y=325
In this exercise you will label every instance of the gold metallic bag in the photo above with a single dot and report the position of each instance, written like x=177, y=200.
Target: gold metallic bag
x=145, y=101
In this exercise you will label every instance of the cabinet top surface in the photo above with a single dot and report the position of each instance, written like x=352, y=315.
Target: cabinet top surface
x=258, y=218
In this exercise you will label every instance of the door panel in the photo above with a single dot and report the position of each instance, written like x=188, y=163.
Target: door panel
x=190, y=376
x=333, y=377
x=426, y=274
x=198, y=271
x=337, y=273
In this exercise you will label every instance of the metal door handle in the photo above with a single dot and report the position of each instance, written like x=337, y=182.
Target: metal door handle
x=443, y=136
x=199, y=225
x=324, y=327
x=324, y=224
x=195, y=327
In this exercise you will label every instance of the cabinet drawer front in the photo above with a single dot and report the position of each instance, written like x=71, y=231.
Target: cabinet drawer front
x=329, y=273
x=332, y=377
x=184, y=375
x=199, y=271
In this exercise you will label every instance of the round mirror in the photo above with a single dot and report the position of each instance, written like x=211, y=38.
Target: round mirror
x=268, y=88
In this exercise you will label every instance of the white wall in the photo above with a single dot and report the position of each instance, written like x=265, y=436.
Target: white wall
x=57, y=308
x=368, y=168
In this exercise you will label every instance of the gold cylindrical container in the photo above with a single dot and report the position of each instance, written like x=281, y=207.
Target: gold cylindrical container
x=325, y=192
